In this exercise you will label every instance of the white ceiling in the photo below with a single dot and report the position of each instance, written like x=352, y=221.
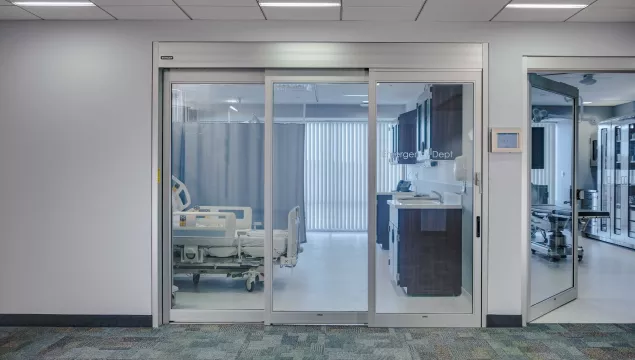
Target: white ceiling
x=351, y=10
x=610, y=90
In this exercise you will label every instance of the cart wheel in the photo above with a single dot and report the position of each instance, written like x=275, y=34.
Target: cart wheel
x=579, y=257
x=196, y=278
x=533, y=251
x=249, y=285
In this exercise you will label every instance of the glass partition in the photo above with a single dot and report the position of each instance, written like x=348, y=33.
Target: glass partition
x=217, y=196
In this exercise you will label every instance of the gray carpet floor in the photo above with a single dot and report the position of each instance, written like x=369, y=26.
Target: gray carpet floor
x=319, y=342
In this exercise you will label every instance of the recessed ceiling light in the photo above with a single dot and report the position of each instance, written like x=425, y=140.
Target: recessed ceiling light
x=588, y=102
x=297, y=4
x=356, y=95
x=52, y=3
x=365, y=102
x=546, y=6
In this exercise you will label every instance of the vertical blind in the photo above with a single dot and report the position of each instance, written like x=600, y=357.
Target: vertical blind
x=336, y=170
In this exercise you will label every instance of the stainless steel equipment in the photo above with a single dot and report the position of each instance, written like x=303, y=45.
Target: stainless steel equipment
x=616, y=181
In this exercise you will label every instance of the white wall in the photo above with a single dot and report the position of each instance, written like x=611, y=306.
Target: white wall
x=75, y=110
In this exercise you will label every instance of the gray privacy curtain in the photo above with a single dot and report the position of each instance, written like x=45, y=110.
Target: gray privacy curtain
x=222, y=164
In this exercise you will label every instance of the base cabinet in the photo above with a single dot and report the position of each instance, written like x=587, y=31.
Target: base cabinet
x=425, y=251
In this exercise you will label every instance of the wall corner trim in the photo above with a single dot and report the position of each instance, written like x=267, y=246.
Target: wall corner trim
x=55, y=320
x=504, y=321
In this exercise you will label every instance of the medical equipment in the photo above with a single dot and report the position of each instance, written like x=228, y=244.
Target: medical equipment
x=215, y=242
x=221, y=240
x=553, y=224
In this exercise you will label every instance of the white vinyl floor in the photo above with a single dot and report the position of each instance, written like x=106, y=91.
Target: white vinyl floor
x=331, y=275
x=606, y=285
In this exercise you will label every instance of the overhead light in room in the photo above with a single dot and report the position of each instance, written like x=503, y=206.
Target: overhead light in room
x=356, y=95
x=298, y=4
x=232, y=101
x=587, y=102
x=588, y=79
x=52, y=3
x=546, y=6
x=233, y=108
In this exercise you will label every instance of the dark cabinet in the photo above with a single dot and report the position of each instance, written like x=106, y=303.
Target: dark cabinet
x=383, y=220
x=405, y=138
x=440, y=123
x=426, y=251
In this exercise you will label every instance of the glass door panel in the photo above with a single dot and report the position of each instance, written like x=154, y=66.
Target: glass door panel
x=425, y=267
x=214, y=151
x=319, y=236
x=553, y=234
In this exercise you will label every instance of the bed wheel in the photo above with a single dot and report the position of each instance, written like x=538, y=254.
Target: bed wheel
x=196, y=278
x=533, y=251
x=579, y=257
x=250, y=285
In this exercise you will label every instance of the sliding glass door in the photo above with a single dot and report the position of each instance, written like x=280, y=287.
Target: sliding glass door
x=425, y=267
x=213, y=176
x=317, y=152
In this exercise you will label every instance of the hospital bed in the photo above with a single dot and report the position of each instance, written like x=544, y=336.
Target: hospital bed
x=221, y=240
x=551, y=226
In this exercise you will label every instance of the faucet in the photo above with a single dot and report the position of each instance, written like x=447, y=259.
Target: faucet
x=439, y=195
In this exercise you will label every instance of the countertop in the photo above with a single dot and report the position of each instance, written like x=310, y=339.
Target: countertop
x=450, y=201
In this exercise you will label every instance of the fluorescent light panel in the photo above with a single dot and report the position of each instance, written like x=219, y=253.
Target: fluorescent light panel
x=233, y=108
x=588, y=102
x=546, y=6
x=296, y=4
x=52, y=3
x=356, y=95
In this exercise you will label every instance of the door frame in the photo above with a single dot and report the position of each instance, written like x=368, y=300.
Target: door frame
x=297, y=55
x=474, y=319
x=532, y=64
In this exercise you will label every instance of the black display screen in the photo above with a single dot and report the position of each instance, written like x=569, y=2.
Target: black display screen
x=537, y=147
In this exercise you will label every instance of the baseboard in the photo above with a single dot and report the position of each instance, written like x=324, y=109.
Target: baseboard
x=75, y=320
x=504, y=321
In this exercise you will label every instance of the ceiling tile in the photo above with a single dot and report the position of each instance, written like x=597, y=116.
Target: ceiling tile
x=380, y=13
x=15, y=13
x=146, y=12
x=571, y=2
x=614, y=3
x=461, y=10
x=604, y=14
x=224, y=12
x=537, y=15
x=410, y=3
x=253, y=3
x=133, y=2
x=302, y=13
x=70, y=13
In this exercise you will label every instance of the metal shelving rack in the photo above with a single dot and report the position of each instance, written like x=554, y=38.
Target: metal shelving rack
x=617, y=189
x=631, y=180
x=604, y=184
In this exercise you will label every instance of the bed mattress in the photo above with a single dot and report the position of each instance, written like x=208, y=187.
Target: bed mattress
x=252, y=243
